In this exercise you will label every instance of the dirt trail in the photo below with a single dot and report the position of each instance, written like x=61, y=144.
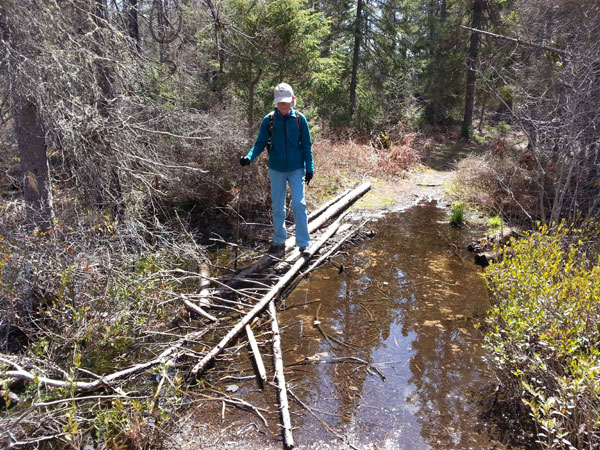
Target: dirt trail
x=428, y=181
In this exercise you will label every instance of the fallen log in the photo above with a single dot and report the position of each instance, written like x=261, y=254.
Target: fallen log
x=265, y=300
x=342, y=203
x=172, y=353
x=284, y=409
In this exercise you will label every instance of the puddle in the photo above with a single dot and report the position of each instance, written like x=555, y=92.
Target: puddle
x=406, y=302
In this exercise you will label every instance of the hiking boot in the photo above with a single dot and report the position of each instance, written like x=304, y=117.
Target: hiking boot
x=276, y=249
x=303, y=251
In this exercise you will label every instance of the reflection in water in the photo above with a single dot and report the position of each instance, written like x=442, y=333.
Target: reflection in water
x=407, y=304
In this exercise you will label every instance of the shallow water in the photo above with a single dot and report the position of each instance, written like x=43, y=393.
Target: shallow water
x=407, y=302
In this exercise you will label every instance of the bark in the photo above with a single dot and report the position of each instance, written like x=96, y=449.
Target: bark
x=105, y=81
x=218, y=26
x=435, y=109
x=472, y=69
x=431, y=13
x=34, y=163
x=356, y=55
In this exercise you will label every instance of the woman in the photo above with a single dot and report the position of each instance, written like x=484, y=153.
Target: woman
x=286, y=135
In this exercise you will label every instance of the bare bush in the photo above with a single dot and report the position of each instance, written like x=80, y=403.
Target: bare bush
x=134, y=145
x=555, y=103
x=127, y=152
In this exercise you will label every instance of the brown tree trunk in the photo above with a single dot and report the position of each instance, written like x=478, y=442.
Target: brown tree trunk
x=105, y=81
x=133, y=24
x=356, y=56
x=251, y=86
x=435, y=109
x=34, y=164
x=467, y=126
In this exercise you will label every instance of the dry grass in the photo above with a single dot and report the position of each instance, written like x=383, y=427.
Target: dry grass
x=500, y=180
x=365, y=159
x=340, y=164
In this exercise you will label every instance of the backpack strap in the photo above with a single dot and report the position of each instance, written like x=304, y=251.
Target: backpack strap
x=272, y=124
x=299, y=124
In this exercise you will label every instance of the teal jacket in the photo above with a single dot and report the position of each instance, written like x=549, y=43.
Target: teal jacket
x=288, y=153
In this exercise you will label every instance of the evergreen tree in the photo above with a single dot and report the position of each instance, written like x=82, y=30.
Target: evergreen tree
x=273, y=41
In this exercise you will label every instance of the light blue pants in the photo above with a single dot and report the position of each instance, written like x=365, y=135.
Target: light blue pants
x=278, y=191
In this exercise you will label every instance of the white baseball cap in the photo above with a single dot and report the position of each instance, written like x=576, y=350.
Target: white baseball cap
x=284, y=93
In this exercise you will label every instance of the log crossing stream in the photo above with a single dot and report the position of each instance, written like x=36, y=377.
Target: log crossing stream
x=381, y=350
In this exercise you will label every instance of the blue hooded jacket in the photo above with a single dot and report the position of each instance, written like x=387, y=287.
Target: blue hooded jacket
x=288, y=153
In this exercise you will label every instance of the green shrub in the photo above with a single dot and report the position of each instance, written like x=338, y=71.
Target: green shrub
x=543, y=336
x=495, y=223
x=457, y=215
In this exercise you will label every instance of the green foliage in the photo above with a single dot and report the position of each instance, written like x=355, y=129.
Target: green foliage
x=542, y=333
x=491, y=132
x=506, y=94
x=285, y=46
x=495, y=223
x=161, y=86
x=457, y=215
x=467, y=132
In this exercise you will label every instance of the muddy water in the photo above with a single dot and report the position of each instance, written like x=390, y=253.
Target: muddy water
x=406, y=302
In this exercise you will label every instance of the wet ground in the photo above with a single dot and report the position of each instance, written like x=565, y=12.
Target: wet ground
x=381, y=351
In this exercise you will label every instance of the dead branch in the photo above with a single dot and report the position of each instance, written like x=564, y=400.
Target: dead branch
x=168, y=356
x=518, y=41
x=256, y=353
x=198, y=310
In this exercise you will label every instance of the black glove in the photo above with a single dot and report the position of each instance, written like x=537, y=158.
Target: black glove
x=244, y=161
x=308, y=177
